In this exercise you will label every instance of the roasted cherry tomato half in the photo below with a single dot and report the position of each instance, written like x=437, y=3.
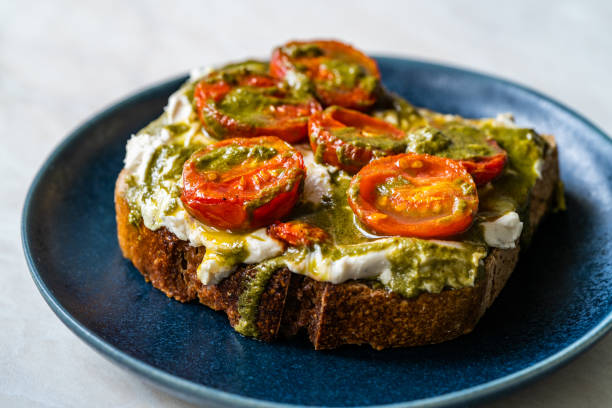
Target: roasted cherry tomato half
x=414, y=195
x=298, y=233
x=349, y=139
x=338, y=73
x=243, y=100
x=485, y=169
x=242, y=183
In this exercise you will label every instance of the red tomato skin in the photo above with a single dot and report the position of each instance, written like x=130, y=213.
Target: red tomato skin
x=276, y=209
x=224, y=205
x=279, y=63
x=356, y=98
x=226, y=216
x=320, y=134
x=485, y=169
x=297, y=233
x=364, y=183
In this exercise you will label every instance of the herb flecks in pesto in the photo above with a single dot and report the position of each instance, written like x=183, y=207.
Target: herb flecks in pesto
x=525, y=148
x=232, y=72
x=228, y=254
x=132, y=196
x=166, y=165
x=308, y=50
x=430, y=266
x=253, y=286
x=177, y=128
x=160, y=183
x=347, y=75
x=453, y=142
x=253, y=105
x=335, y=216
x=375, y=142
x=160, y=179
x=226, y=157
x=399, y=112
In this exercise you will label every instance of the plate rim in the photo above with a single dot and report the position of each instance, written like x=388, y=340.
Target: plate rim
x=195, y=392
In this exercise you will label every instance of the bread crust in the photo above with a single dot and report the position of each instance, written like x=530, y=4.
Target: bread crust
x=331, y=314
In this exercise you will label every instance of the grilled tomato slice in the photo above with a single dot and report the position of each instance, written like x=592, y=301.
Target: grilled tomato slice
x=349, y=139
x=414, y=195
x=298, y=233
x=242, y=183
x=338, y=73
x=243, y=100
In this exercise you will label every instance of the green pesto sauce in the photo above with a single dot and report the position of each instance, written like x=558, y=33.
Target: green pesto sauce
x=420, y=265
x=335, y=216
x=303, y=50
x=232, y=72
x=159, y=169
x=348, y=75
x=227, y=157
x=163, y=171
x=378, y=143
x=177, y=128
x=252, y=105
x=453, y=142
x=133, y=196
x=253, y=287
x=399, y=112
x=524, y=147
x=232, y=253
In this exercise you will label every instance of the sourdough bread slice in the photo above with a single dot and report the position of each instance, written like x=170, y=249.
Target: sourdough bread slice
x=352, y=312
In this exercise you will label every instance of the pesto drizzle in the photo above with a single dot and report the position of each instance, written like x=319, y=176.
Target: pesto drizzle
x=163, y=171
x=453, y=142
x=253, y=287
x=227, y=157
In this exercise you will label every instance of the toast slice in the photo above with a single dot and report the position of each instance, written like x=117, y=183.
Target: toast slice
x=353, y=312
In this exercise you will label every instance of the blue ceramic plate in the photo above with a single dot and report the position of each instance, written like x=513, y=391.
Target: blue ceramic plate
x=557, y=303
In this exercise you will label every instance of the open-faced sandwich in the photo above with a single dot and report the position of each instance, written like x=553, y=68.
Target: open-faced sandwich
x=299, y=195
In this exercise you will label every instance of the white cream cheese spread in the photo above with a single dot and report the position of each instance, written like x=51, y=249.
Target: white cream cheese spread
x=504, y=231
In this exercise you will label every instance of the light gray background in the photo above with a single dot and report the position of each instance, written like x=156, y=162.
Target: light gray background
x=62, y=61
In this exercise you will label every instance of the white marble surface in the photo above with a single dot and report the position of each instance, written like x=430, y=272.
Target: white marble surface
x=62, y=61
